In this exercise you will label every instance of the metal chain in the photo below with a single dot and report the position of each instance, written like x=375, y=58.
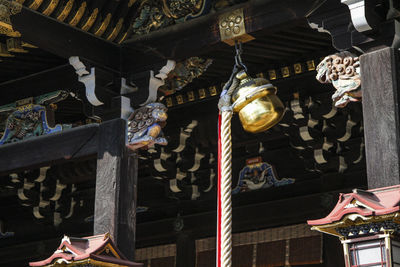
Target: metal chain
x=239, y=65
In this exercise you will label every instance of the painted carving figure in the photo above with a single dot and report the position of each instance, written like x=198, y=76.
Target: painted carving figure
x=27, y=118
x=27, y=122
x=144, y=126
x=157, y=14
x=151, y=17
x=185, y=72
x=342, y=70
x=259, y=175
x=180, y=9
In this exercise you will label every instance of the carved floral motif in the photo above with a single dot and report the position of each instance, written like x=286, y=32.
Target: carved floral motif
x=342, y=70
x=144, y=127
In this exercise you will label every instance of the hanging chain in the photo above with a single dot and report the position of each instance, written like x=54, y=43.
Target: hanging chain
x=238, y=57
x=239, y=65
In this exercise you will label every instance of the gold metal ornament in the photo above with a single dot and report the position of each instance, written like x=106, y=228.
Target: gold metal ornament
x=232, y=27
x=257, y=104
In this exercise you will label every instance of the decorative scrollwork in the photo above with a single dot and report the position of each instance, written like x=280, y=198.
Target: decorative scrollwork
x=8, y=8
x=144, y=127
x=342, y=70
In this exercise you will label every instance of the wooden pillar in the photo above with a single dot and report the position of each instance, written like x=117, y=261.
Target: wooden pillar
x=379, y=76
x=116, y=181
x=333, y=251
x=185, y=250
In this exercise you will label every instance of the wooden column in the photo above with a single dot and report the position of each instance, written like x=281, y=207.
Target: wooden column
x=185, y=250
x=380, y=79
x=116, y=180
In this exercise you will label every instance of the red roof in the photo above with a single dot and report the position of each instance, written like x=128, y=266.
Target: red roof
x=98, y=248
x=375, y=202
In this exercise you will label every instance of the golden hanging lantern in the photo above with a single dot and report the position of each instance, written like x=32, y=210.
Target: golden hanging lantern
x=256, y=102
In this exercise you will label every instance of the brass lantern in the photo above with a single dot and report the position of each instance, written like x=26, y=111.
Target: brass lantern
x=256, y=102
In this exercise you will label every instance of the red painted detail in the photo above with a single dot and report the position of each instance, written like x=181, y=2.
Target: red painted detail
x=219, y=195
x=374, y=202
x=78, y=249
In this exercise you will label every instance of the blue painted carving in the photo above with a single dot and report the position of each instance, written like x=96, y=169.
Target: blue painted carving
x=6, y=234
x=258, y=176
x=145, y=124
x=27, y=122
x=28, y=118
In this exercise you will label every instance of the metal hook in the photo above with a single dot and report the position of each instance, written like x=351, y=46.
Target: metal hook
x=238, y=56
x=239, y=65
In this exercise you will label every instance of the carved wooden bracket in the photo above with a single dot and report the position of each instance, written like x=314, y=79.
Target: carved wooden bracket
x=358, y=14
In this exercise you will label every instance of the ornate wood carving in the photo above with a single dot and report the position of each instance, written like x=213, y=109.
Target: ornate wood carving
x=28, y=117
x=184, y=73
x=343, y=71
x=8, y=8
x=258, y=175
x=144, y=127
x=157, y=14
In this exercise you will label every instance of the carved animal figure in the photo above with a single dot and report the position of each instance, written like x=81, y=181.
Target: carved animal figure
x=144, y=127
x=342, y=70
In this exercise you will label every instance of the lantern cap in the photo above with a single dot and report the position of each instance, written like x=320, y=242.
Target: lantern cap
x=97, y=250
x=362, y=212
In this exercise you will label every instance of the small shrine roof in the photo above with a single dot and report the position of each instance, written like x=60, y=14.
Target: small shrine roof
x=92, y=249
x=375, y=202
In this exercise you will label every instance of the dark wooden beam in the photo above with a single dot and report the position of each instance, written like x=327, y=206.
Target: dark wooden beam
x=59, y=78
x=115, y=198
x=48, y=149
x=380, y=85
x=64, y=40
x=187, y=39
